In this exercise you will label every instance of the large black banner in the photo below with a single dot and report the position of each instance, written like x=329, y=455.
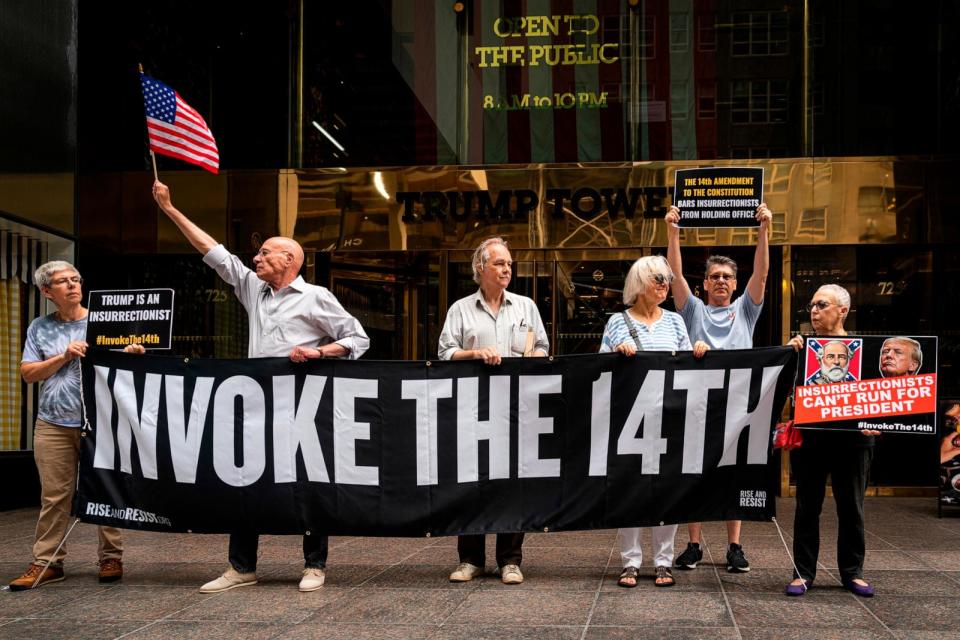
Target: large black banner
x=439, y=448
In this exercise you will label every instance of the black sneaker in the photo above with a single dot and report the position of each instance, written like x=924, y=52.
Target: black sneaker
x=736, y=561
x=690, y=557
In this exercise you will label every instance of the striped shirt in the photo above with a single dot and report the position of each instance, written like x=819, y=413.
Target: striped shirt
x=666, y=334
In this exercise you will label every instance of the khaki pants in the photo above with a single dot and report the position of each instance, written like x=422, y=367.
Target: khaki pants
x=57, y=452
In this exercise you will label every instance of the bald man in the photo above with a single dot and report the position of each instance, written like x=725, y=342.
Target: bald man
x=288, y=317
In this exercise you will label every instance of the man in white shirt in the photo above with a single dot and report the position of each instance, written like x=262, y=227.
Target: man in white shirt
x=489, y=325
x=288, y=317
x=723, y=323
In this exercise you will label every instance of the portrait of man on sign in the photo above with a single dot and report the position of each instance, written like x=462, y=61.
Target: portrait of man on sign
x=900, y=356
x=830, y=361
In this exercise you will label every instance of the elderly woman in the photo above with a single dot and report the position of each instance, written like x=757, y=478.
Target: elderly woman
x=647, y=327
x=54, y=344
x=845, y=457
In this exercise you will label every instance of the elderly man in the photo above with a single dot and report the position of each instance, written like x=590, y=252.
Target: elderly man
x=51, y=353
x=834, y=359
x=489, y=325
x=288, y=318
x=900, y=356
x=723, y=323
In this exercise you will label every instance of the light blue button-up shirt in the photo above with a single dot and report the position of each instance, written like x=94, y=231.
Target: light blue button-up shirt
x=470, y=324
x=298, y=315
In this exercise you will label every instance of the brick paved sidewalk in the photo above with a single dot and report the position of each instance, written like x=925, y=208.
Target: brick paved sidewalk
x=397, y=588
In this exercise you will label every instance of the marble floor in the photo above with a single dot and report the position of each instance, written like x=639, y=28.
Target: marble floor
x=397, y=588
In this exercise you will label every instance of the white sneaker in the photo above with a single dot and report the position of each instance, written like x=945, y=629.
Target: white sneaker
x=312, y=579
x=511, y=574
x=230, y=579
x=465, y=572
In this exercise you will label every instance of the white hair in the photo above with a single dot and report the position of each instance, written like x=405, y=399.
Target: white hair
x=841, y=295
x=636, y=281
x=43, y=276
x=482, y=253
x=846, y=347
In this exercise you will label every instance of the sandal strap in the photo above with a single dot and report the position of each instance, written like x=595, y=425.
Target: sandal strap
x=629, y=572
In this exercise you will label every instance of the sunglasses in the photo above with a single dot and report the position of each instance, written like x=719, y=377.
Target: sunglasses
x=660, y=279
x=717, y=277
x=819, y=304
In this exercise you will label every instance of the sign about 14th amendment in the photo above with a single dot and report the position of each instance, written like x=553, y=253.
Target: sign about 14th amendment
x=130, y=316
x=440, y=448
x=718, y=196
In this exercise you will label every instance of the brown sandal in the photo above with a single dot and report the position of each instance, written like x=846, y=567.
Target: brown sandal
x=628, y=573
x=664, y=577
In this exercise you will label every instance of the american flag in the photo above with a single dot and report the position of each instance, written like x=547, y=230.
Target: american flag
x=175, y=128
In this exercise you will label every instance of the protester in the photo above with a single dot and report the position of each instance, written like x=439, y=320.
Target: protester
x=723, y=323
x=845, y=457
x=287, y=318
x=489, y=325
x=900, y=356
x=834, y=359
x=51, y=353
x=645, y=326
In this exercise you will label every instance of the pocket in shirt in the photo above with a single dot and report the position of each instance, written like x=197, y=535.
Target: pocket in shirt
x=518, y=340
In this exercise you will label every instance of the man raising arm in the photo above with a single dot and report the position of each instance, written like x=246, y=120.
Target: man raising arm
x=723, y=323
x=288, y=317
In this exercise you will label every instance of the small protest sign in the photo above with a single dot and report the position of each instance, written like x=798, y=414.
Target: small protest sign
x=118, y=318
x=856, y=383
x=718, y=196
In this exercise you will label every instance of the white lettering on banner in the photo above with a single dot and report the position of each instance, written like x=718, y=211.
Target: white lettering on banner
x=426, y=393
x=600, y=424
x=470, y=429
x=346, y=431
x=698, y=385
x=738, y=398
x=130, y=425
x=295, y=429
x=295, y=424
x=647, y=411
x=103, y=457
x=532, y=425
x=186, y=437
x=253, y=430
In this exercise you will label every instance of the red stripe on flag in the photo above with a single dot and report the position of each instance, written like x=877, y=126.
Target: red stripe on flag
x=189, y=138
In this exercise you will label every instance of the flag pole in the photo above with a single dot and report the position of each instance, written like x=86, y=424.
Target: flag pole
x=153, y=157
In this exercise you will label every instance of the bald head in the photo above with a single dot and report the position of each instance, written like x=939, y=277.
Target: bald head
x=278, y=262
x=292, y=247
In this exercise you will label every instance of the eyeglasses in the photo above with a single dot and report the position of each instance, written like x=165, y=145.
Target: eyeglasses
x=819, y=304
x=717, y=277
x=263, y=253
x=59, y=282
x=660, y=279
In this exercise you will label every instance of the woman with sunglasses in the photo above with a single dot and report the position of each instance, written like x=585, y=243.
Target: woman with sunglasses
x=645, y=326
x=843, y=455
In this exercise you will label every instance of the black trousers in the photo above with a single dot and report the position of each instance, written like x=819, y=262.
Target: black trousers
x=243, y=551
x=848, y=467
x=473, y=549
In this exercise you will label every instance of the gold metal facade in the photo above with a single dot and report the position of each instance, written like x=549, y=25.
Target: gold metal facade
x=834, y=201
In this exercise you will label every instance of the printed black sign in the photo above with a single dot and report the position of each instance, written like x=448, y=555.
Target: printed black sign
x=411, y=448
x=718, y=196
x=130, y=316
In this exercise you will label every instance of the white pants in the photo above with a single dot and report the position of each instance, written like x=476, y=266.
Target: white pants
x=632, y=554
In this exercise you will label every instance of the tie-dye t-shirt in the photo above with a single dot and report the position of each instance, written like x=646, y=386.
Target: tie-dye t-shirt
x=60, y=393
